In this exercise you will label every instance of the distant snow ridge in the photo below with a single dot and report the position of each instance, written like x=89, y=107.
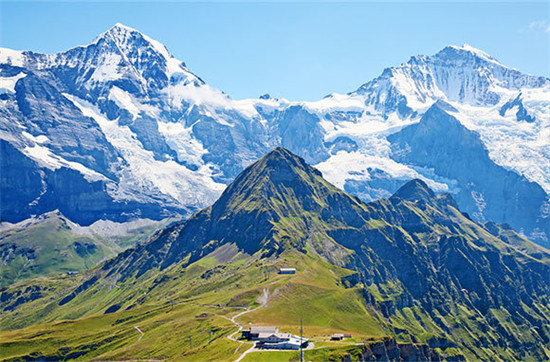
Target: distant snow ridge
x=120, y=129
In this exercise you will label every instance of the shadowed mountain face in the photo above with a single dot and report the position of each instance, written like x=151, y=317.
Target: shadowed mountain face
x=413, y=258
x=488, y=191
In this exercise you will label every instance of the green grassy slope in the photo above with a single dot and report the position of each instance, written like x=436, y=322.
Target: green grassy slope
x=411, y=267
x=194, y=300
x=50, y=246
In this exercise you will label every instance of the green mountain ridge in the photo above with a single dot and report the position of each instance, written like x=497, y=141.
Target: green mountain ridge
x=412, y=267
x=51, y=244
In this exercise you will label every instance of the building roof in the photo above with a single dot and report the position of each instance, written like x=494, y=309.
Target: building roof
x=276, y=335
x=270, y=330
x=287, y=269
x=338, y=335
x=295, y=340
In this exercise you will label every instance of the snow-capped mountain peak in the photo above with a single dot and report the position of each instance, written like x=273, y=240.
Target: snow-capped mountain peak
x=456, y=73
x=468, y=50
x=12, y=57
x=118, y=31
x=142, y=55
x=124, y=117
x=127, y=39
x=119, y=27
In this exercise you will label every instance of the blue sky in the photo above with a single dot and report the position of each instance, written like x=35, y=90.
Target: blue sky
x=299, y=51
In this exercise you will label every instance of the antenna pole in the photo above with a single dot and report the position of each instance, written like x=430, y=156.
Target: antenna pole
x=301, y=334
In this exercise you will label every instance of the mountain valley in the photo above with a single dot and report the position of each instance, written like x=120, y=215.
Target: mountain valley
x=51, y=244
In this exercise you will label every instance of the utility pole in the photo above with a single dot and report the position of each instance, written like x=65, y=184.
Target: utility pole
x=191, y=341
x=209, y=337
x=301, y=334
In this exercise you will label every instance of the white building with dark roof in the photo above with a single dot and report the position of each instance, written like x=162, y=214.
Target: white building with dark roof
x=254, y=332
x=287, y=341
x=270, y=338
x=287, y=270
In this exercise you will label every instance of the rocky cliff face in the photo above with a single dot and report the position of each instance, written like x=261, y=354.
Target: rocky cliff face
x=389, y=349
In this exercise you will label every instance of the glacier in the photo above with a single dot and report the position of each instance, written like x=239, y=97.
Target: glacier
x=120, y=129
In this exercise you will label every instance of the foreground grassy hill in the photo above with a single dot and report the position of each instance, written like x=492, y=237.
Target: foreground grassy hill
x=198, y=302
x=410, y=269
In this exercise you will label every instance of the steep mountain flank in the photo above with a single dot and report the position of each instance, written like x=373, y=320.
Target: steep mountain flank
x=487, y=191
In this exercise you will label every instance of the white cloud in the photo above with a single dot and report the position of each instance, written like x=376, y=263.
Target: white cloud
x=540, y=25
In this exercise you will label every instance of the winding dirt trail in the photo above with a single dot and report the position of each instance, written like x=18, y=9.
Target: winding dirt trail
x=263, y=299
x=141, y=333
